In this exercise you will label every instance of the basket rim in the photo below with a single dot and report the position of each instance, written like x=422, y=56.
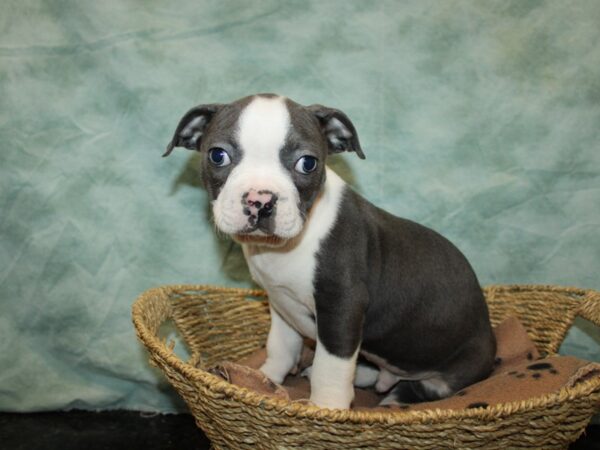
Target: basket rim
x=160, y=351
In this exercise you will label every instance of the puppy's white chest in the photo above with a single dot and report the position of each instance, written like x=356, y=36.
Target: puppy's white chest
x=288, y=279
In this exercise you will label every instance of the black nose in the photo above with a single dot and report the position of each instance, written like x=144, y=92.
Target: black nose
x=267, y=208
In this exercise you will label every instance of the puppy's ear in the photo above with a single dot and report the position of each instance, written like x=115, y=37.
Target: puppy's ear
x=191, y=127
x=338, y=130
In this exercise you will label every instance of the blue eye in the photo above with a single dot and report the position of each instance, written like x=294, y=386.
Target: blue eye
x=219, y=157
x=306, y=164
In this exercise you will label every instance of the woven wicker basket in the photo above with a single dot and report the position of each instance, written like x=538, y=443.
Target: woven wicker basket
x=226, y=324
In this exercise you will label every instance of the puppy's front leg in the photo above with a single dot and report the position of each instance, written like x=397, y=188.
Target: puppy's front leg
x=284, y=347
x=340, y=316
x=332, y=379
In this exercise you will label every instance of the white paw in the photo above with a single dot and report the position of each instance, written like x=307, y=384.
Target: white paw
x=273, y=372
x=326, y=400
x=385, y=381
x=365, y=376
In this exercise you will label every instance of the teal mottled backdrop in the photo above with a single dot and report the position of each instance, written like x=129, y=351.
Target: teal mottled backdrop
x=479, y=119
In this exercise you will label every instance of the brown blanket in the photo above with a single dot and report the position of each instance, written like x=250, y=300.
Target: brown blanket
x=519, y=374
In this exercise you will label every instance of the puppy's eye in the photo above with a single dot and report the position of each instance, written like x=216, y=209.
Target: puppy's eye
x=219, y=157
x=306, y=164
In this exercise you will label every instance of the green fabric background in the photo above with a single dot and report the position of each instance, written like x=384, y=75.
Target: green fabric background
x=478, y=119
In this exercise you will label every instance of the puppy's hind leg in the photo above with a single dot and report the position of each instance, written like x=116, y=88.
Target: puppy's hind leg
x=385, y=381
x=471, y=364
x=418, y=391
x=366, y=375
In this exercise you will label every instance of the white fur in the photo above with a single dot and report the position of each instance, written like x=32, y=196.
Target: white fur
x=366, y=376
x=262, y=129
x=386, y=380
x=331, y=379
x=284, y=347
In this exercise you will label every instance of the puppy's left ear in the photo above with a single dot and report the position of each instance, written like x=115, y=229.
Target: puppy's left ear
x=338, y=130
x=191, y=127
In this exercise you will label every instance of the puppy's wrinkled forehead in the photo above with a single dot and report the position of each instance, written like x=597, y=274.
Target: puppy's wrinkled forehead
x=263, y=126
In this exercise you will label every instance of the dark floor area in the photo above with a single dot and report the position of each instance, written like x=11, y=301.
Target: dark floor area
x=130, y=430
x=108, y=430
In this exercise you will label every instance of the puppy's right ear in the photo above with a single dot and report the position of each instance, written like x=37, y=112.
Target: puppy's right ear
x=191, y=127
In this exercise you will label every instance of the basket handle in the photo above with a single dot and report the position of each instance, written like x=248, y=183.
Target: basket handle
x=590, y=307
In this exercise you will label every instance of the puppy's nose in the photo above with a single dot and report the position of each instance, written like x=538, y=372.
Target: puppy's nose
x=259, y=203
x=266, y=209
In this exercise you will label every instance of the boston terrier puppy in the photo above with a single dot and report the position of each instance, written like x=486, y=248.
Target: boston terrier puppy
x=337, y=269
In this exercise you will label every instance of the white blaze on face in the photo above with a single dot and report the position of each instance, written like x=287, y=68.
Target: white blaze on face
x=262, y=129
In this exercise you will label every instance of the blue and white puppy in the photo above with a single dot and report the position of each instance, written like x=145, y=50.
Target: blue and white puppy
x=337, y=269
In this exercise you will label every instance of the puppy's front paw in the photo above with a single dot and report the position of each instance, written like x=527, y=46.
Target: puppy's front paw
x=273, y=371
x=331, y=401
x=331, y=395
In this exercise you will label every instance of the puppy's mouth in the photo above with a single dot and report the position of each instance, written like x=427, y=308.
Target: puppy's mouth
x=271, y=240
